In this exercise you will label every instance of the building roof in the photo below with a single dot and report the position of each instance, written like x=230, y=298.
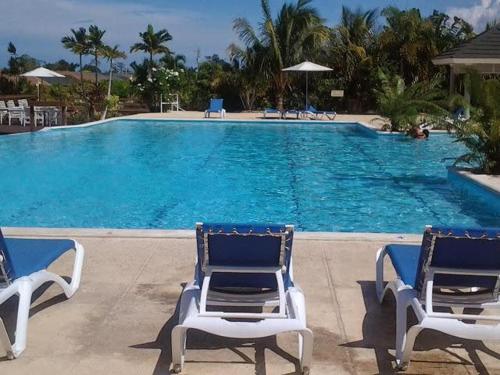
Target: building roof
x=483, y=49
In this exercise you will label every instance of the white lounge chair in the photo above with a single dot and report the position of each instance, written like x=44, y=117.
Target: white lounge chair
x=272, y=111
x=318, y=115
x=240, y=266
x=23, y=264
x=453, y=268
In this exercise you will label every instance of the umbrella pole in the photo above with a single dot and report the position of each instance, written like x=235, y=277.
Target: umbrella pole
x=307, y=89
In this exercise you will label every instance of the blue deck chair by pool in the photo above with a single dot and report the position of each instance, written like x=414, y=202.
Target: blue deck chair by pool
x=318, y=115
x=241, y=271
x=272, y=111
x=216, y=107
x=452, y=268
x=23, y=264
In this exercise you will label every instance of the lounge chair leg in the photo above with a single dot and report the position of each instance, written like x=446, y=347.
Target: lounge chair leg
x=23, y=311
x=179, y=334
x=5, y=341
x=379, y=280
x=405, y=339
x=305, y=350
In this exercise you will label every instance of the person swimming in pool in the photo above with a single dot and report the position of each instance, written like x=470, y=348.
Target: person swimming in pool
x=419, y=133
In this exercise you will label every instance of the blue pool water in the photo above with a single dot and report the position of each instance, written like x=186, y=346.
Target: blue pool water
x=147, y=174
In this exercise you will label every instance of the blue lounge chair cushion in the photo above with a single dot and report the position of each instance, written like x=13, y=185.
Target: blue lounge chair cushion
x=25, y=256
x=215, y=105
x=405, y=259
x=245, y=250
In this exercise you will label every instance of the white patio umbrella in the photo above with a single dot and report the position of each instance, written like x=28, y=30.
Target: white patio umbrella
x=42, y=73
x=307, y=67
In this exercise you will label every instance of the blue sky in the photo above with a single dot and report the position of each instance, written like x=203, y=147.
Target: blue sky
x=36, y=26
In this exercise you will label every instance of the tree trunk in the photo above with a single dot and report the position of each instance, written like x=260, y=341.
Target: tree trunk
x=96, y=63
x=150, y=68
x=105, y=112
x=110, y=77
x=81, y=76
x=279, y=101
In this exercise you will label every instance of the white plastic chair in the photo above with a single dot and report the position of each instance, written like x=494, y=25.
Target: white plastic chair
x=3, y=111
x=23, y=103
x=241, y=266
x=453, y=268
x=23, y=264
x=20, y=114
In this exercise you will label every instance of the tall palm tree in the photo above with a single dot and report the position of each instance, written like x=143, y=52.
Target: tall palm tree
x=111, y=53
x=78, y=43
x=293, y=35
x=152, y=43
x=96, y=46
x=353, y=49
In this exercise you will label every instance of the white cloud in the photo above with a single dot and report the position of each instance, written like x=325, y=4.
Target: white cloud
x=478, y=15
x=37, y=26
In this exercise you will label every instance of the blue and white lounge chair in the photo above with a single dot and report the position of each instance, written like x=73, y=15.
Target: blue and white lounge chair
x=242, y=266
x=452, y=268
x=318, y=115
x=293, y=112
x=216, y=107
x=272, y=111
x=23, y=264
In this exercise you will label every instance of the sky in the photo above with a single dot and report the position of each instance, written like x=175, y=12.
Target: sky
x=37, y=26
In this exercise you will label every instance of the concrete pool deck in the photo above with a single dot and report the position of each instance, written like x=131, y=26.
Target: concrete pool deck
x=121, y=318
x=197, y=115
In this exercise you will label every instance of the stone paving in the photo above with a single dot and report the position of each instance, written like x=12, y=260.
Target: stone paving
x=120, y=320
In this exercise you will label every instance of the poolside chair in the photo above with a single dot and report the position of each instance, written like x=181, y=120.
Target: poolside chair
x=272, y=111
x=19, y=113
x=23, y=264
x=453, y=268
x=23, y=103
x=3, y=111
x=293, y=112
x=318, y=115
x=216, y=107
x=239, y=267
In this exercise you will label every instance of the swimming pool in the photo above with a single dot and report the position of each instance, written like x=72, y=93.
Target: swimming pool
x=167, y=174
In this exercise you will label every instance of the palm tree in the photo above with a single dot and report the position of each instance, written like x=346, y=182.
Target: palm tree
x=152, y=43
x=481, y=133
x=353, y=50
x=96, y=46
x=111, y=53
x=78, y=44
x=404, y=105
x=409, y=41
x=295, y=34
x=174, y=61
